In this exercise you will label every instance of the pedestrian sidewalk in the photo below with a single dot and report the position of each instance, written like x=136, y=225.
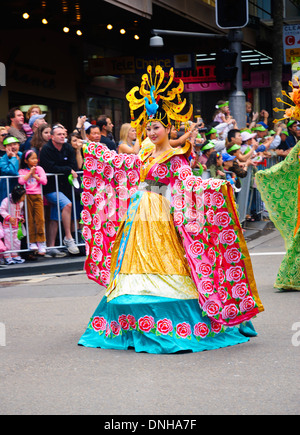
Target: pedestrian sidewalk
x=253, y=230
x=75, y=263
x=41, y=266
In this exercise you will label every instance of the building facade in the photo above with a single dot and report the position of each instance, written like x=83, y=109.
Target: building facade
x=75, y=57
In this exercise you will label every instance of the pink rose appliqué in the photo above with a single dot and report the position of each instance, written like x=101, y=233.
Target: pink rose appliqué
x=230, y=312
x=228, y=237
x=239, y=291
x=115, y=327
x=146, y=323
x=164, y=326
x=123, y=322
x=196, y=249
x=183, y=330
x=247, y=304
x=99, y=324
x=234, y=274
x=131, y=320
x=211, y=308
x=201, y=330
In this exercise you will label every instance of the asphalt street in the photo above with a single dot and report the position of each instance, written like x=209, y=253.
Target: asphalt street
x=43, y=371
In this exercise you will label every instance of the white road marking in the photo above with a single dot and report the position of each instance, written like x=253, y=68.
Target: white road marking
x=40, y=278
x=257, y=254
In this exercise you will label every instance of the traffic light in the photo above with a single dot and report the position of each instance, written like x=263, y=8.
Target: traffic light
x=226, y=65
x=232, y=14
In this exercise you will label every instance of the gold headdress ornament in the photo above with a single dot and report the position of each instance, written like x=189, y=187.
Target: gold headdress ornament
x=157, y=104
x=293, y=111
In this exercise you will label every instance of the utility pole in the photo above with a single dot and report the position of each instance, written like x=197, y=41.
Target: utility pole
x=276, y=74
x=237, y=97
x=234, y=15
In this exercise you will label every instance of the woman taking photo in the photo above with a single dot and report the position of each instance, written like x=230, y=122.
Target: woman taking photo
x=174, y=263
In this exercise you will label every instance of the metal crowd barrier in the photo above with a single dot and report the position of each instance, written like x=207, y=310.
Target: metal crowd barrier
x=243, y=195
x=249, y=198
x=79, y=243
x=255, y=201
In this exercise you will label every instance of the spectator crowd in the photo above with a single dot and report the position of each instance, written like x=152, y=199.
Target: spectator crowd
x=41, y=162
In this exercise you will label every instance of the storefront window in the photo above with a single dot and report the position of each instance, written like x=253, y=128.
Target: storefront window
x=260, y=9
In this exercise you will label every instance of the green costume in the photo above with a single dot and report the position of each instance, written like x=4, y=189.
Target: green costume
x=280, y=190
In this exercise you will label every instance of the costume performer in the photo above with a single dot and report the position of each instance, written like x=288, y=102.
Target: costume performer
x=280, y=190
x=166, y=244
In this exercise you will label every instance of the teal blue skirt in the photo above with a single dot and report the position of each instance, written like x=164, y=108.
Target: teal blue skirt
x=158, y=325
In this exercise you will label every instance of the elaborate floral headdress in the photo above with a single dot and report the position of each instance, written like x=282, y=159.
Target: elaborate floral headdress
x=157, y=101
x=293, y=111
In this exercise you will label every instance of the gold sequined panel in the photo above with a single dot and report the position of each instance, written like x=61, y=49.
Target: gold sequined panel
x=154, y=246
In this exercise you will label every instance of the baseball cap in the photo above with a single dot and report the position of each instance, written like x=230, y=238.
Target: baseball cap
x=263, y=124
x=227, y=157
x=290, y=123
x=9, y=140
x=285, y=132
x=34, y=118
x=259, y=128
x=246, y=136
x=234, y=147
x=211, y=131
x=208, y=146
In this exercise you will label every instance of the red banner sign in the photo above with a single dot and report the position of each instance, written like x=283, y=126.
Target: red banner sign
x=203, y=73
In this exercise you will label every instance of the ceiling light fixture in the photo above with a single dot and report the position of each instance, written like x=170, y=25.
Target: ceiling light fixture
x=26, y=16
x=66, y=29
x=122, y=31
x=44, y=21
x=77, y=11
x=65, y=6
x=79, y=32
x=136, y=37
x=156, y=41
x=109, y=27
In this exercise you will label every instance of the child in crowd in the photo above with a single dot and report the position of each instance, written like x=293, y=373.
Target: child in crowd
x=223, y=113
x=228, y=161
x=2, y=246
x=218, y=164
x=214, y=165
x=9, y=165
x=206, y=150
x=33, y=177
x=11, y=210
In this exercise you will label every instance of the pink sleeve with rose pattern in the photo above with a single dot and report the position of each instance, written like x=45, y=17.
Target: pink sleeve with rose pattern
x=109, y=179
x=205, y=216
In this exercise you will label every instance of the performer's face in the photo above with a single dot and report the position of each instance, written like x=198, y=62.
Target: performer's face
x=156, y=132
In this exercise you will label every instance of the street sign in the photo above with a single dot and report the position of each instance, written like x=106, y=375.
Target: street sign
x=291, y=42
